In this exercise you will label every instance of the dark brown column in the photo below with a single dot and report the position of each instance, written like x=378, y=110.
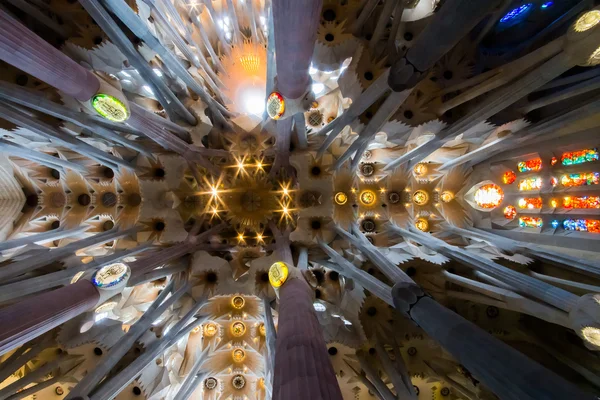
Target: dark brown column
x=27, y=51
x=28, y=319
x=303, y=370
x=296, y=24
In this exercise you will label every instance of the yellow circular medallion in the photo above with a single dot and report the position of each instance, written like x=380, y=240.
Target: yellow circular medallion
x=340, y=198
x=447, y=196
x=210, y=329
x=278, y=274
x=238, y=302
x=238, y=329
x=367, y=197
x=422, y=224
x=420, y=197
x=110, y=107
x=238, y=355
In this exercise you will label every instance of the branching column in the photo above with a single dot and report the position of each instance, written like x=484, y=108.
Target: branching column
x=28, y=319
x=302, y=366
x=25, y=50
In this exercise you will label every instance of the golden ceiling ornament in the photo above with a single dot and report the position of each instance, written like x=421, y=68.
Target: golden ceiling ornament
x=422, y=224
x=210, y=329
x=278, y=274
x=447, y=196
x=238, y=355
x=420, y=169
x=587, y=21
x=238, y=302
x=210, y=383
x=238, y=329
x=367, y=197
x=262, y=329
x=238, y=382
x=420, y=197
x=340, y=198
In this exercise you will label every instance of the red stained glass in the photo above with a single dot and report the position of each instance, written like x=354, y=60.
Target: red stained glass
x=530, y=165
x=530, y=202
x=581, y=202
x=509, y=177
x=553, y=161
x=510, y=212
x=489, y=196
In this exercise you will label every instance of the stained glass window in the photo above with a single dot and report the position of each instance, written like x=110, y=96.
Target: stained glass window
x=530, y=202
x=580, y=179
x=530, y=222
x=553, y=181
x=530, y=184
x=581, y=202
x=553, y=161
x=553, y=203
x=489, y=196
x=510, y=212
x=555, y=223
x=509, y=177
x=582, y=225
x=579, y=157
x=530, y=165
x=516, y=12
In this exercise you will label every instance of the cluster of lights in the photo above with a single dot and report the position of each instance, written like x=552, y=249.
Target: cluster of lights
x=110, y=107
x=587, y=21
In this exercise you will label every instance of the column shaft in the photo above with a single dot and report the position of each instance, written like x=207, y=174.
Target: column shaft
x=302, y=367
x=28, y=319
x=25, y=50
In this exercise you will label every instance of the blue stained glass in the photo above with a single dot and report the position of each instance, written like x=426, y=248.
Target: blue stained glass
x=515, y=12
x=547, y=4
x=555, y=224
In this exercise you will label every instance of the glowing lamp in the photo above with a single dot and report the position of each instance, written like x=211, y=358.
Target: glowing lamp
x=422, y=224
x=238, y=355
x=210, y=329
x=420, y=169
x=278, y=274
x=420, y=197
x=110, y=107
x=275, y=105
x=238, y=302
x=238, y=329
x=587, y=21
x=447, y=196
x=340, y=198
x=367, y=197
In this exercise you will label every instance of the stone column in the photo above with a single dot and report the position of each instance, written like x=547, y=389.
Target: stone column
x=507, y=372
x=28, y=319
x=302, y=367
x=25, y=50
x=296, y=24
